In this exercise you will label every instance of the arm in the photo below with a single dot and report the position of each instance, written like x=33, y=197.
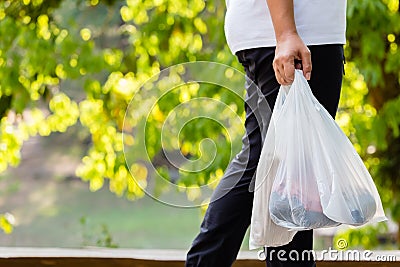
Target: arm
x=289, y=45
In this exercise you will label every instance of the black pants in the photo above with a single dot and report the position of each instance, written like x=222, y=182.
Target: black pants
x=228, y=215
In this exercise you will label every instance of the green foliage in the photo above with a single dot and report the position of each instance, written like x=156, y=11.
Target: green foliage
x=96, y=235
x=369, y=109
x=46, y=54
x=39, y=57
x=367, y=237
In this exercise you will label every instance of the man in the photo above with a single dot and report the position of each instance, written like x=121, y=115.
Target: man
x=268, y=37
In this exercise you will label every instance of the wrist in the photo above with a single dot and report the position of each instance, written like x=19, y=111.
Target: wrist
x=288, y=34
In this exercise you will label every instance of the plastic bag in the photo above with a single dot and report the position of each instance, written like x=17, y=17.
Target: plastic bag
x=309, y=175
x=263, y=231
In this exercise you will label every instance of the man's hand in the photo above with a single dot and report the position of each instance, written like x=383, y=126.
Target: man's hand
x=289, y=46
x=288, y=49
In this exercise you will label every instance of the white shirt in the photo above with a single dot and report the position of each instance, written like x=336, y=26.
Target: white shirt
x=248, y=23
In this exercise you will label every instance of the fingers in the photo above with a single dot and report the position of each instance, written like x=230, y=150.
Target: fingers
x=279, y=75
x=284, y=70
x=289, y=71
x=306, y=63
x=284, y=67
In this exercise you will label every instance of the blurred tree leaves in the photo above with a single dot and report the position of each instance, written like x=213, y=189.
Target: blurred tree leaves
x=39, y=54
x=370, y=103
x=6, y=222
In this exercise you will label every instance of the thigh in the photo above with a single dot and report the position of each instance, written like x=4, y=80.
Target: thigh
x=327, y=73
x=239, y=175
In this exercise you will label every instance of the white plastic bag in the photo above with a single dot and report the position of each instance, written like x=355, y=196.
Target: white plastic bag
x=309, y=175
x=263, y=231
